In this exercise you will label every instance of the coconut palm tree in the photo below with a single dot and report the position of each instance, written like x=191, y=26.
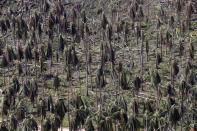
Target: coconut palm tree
x=60, y=110
x=46, y=125
x=174, y=116
x=89, y=124
x=50, y=105
x=78, y=118
x=155, y=80
x=30, y=124
x=13, y=123
x=4, y=126
x=33, y=91
x=56, y=82
x=133, y=124
x=124, y=82
x=55, y=122
x=4, y=64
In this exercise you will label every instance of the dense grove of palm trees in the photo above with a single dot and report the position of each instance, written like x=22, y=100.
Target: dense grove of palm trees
x=98, y=65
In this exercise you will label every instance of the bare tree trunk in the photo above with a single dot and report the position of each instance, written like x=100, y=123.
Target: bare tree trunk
x=86, y=55
x=36, y=69
x=69, y=124
x=26, y=69
x=4, y=77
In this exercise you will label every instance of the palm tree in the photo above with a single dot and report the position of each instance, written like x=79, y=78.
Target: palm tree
x=60, y=110
x=174, y=116
x=155, y=122
x=56, y=82
x=189, y=11
x=4, y=126
x=4, y=64
x=55, y=122
x=137, y=84
x=155, y=80
x=46, y=125
x=36, y=60
x=133, y=124
x=42, y=110
x=13, y=123
x=50, y=105
x=33, y=91
x=28, y=56
x=61, y=44
x=79, y=118
x=124, y=82
x=6, y=105
x=49, y=54
x=29, y=124
x=175, y=71
x=19, y=68
x=89, y=124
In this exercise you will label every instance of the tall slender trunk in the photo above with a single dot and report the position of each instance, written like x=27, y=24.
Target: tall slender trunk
x=36, y=69
x=4, y=76
x=161, y=48
x=69, y=124
x=141, y=56
x=26, y=69
x=100, y=95
x=90, y=71
x=86, y=75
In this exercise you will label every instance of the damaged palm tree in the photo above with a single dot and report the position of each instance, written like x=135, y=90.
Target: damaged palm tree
x=4, y=64
x=49, y=54
x=137, y=85
x=104, y=24
x=60, y=110
x=124, y=82
x=156, y=80
x=36, y=60
x=174, y=116
x=28, y=57
x=175, y=71
x=100, y=82
x=56, y=82
x=189, y=12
